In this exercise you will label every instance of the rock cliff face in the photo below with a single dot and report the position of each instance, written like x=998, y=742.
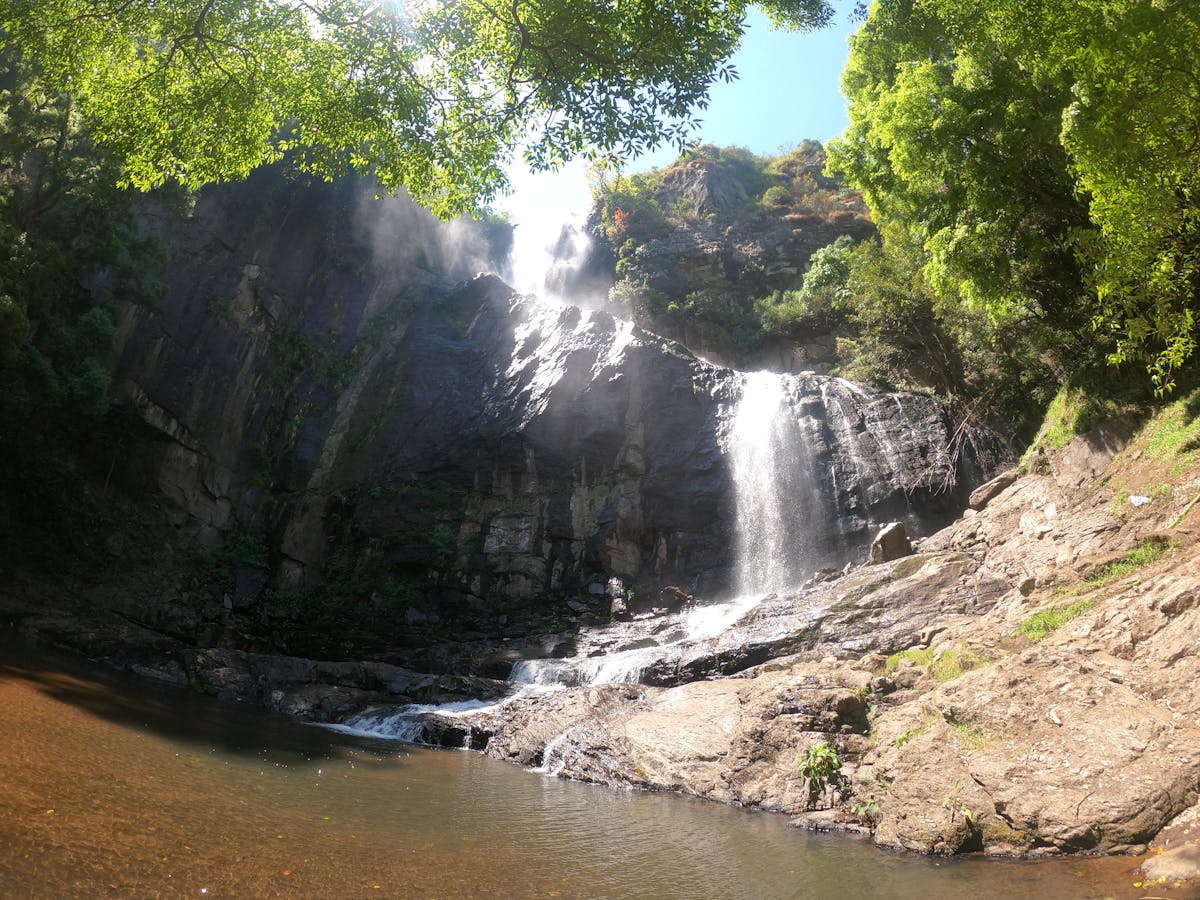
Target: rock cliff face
x=733, y=244
x=317, y=374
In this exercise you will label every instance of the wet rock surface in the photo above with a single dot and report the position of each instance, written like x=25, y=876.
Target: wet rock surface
x=373, y=414
x=956, y=732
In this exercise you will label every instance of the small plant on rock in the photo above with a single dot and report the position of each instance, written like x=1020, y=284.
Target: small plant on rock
x=867, y=812
x=822, y=767
x=957, y=805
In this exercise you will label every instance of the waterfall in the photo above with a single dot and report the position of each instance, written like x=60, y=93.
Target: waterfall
x=807, y=464
x=777, y=498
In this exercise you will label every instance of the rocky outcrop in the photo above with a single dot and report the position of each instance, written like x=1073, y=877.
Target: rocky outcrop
x=719, y=244
x=733, y=740
x=445, y=452
x=972, y=735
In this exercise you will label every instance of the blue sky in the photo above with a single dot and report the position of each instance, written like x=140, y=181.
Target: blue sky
x=788, y=90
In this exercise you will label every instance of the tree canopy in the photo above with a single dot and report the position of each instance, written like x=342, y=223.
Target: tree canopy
x=435, y=97
x=70, y=251
x=1043, y=152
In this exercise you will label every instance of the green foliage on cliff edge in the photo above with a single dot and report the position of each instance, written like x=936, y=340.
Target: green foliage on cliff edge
x=732, y=311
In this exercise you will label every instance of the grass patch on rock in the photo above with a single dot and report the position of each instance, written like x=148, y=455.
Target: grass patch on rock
x=1175, y=432
x=944, y=665
x=973, y=736
x=1144, y=554
x=1043, y=623
x=1075, y=409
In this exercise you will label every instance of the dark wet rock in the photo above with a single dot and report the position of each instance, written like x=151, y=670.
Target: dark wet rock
x=673, y=599
x=322, y=689
x=250, y=582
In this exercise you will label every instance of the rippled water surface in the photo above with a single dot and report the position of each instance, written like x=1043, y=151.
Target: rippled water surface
x=118, y=788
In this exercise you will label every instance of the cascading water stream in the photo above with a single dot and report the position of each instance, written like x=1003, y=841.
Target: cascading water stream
x=776, y=497
x=778, y=503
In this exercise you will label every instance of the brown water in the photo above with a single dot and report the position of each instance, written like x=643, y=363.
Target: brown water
x=118, y=788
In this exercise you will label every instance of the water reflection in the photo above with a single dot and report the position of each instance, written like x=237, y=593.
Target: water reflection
x=127, y=789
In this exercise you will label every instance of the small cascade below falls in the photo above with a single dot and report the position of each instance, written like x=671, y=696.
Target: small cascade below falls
x=648, y=643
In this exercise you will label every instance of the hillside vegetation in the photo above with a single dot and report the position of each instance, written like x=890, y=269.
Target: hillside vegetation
x=768, y=261
x=1030, y=173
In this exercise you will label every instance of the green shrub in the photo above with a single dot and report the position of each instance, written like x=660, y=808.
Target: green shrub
x=822, y=766
x=777, y=196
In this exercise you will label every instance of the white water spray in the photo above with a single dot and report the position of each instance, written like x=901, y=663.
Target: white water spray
x=777, y=501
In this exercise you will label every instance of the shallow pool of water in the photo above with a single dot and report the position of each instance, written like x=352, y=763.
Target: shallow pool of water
x=122, y=788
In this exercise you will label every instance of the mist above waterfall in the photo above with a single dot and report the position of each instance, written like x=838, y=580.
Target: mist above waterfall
x=403, y=234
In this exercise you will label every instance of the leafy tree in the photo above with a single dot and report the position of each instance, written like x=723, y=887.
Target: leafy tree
x=68, y=246
x=907, y=335
x=953, y=139
x=1044, y=154
x=1133, y=132
x=900, y=337
x=434, y=98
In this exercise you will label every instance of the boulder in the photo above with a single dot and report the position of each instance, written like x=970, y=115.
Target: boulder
x=982, y=495
x=890, y=543
x=673, y=599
